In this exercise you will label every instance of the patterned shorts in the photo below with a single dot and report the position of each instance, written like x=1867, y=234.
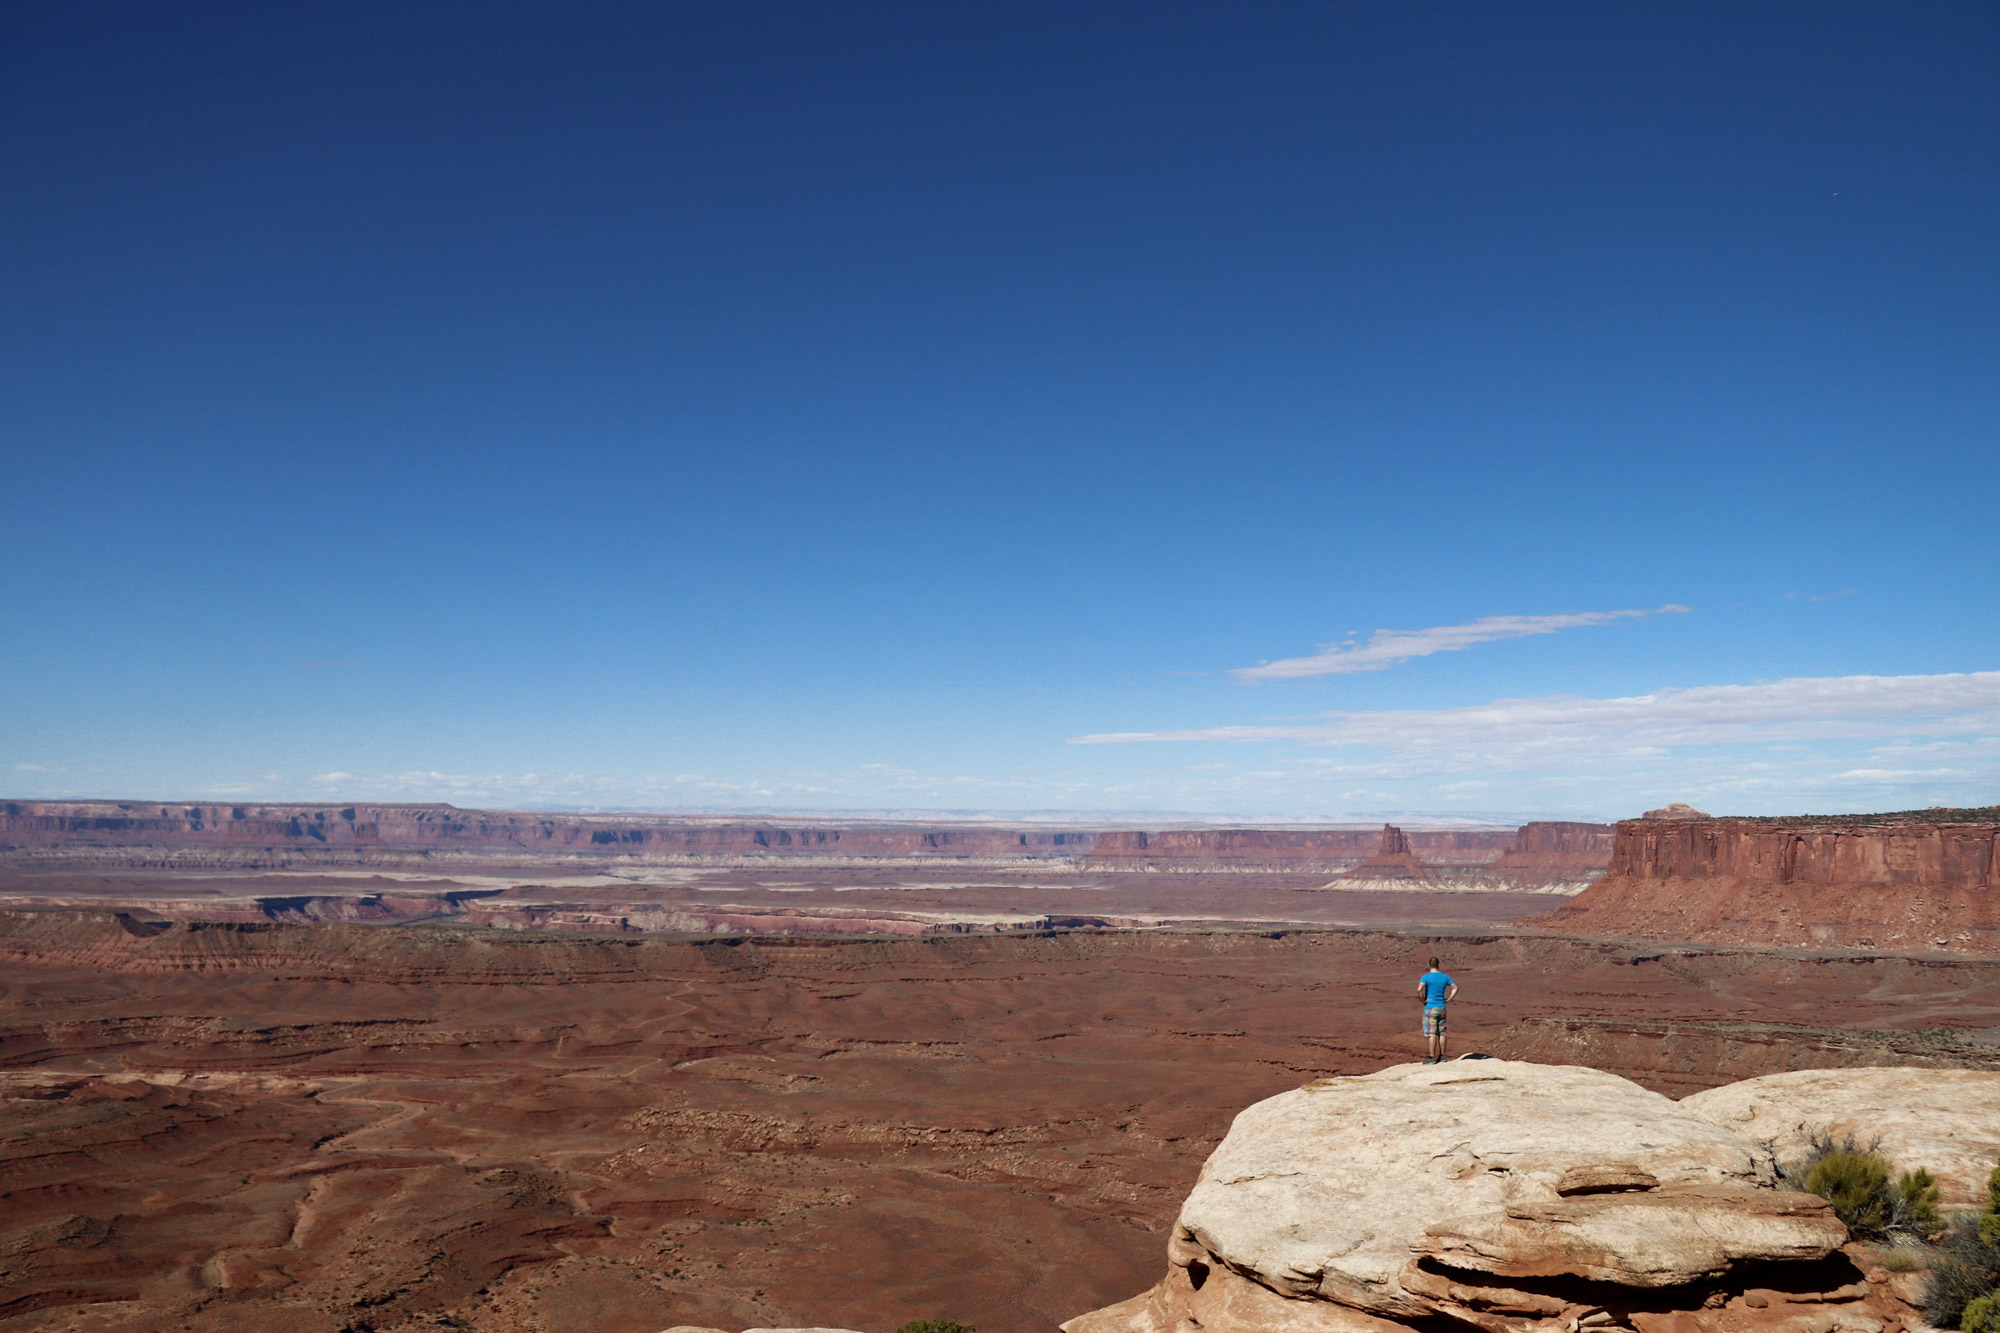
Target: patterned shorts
x=1433, y=1022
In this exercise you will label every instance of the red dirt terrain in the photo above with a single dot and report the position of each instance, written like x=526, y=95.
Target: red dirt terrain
x=1924, y=879
x=319, y=1127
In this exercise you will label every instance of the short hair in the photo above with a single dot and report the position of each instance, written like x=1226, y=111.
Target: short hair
x=1434, y=960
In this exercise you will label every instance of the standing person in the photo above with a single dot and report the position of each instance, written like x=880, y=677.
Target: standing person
x=1437, y=990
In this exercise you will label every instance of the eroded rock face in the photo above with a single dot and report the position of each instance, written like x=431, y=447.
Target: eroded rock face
x=1945, y=1121
x=1916, y=880
x=1499, y=1194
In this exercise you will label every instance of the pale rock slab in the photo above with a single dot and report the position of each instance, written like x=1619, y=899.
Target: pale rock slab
x=1945, y=1121
x=1512, y=1197
x=1329, y=1190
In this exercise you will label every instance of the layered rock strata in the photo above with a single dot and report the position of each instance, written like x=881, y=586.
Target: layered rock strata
x=1918, y=880
x=1503, y=1196
x=1561, y=855
x=190, y=835
x=195, y=836
x=1464, y=851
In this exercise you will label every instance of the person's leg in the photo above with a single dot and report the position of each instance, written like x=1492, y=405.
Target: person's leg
x=1444, y=1039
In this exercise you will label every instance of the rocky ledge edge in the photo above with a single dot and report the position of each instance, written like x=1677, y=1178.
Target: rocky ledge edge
x=1512, y=1197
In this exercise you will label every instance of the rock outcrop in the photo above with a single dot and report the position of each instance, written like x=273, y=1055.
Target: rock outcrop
x=1332, y=850
x=1546, y=856
x=1392, y=859
x=1945, y=1121
x=1675, y=810
x=1558, y=855
x=1503, y=1196
x=1919, y=880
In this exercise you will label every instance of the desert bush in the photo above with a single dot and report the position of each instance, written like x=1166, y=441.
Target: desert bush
x=936, y=1326
x=1857, y=1185
x=1913, y=1204
x=1820, y=1145
x=1989, y=1221
x=1965, y=1270
x=1852, y=1176
x=1900, y=1259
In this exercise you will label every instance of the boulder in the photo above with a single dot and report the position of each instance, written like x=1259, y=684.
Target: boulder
x=1945, y=1121
x=1504, y=1195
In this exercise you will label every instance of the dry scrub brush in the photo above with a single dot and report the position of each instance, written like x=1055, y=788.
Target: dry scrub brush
x=1961, y=1290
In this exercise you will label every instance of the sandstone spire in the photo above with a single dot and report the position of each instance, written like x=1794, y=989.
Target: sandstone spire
x=1392, y=860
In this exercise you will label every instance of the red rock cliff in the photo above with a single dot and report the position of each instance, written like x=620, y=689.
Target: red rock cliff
x=184, y=835
x=270, y=835
x=1329, y=851
x=1917, y=880
x=1558, y=852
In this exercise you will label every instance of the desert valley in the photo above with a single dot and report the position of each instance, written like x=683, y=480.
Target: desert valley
x=1271, y=667
x=342, y=1068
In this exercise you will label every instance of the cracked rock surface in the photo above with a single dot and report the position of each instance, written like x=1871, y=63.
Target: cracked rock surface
x=1503, y=1195
x=1945, y=1121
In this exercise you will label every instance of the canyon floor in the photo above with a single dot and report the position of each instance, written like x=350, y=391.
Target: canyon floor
x=865, y=899
x=322, y=1127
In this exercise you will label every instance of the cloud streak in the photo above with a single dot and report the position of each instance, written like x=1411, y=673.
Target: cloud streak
x=1559, y=729
x=1388, y=647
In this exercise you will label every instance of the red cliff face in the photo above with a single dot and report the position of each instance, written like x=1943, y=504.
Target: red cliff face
x=274, y=836
x=1557, y=852
x=1328, y=851
x=279, y=836
x=1922, y=880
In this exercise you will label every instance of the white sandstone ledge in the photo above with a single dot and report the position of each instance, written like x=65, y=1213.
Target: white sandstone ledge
x=1512, y=1197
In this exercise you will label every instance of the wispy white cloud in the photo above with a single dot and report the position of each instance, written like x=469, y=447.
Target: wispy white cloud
x=1564, y=729
x=1387, y=647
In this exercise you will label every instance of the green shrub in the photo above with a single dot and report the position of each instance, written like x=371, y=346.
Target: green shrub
x=1852, y=1177
x=1989, y=1221
x=1857, y=1185
x=1820, y=1145
x=1982, y=1315
x=945, y=1326
x=1913, y=1204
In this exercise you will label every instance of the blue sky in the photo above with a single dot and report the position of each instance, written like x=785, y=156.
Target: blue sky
x=1152, y=408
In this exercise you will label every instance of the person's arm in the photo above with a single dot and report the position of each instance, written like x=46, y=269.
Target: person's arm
x=1422, y=989
x=1450, y=992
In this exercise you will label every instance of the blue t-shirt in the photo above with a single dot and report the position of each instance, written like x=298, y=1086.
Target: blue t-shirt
x=1435, y=985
